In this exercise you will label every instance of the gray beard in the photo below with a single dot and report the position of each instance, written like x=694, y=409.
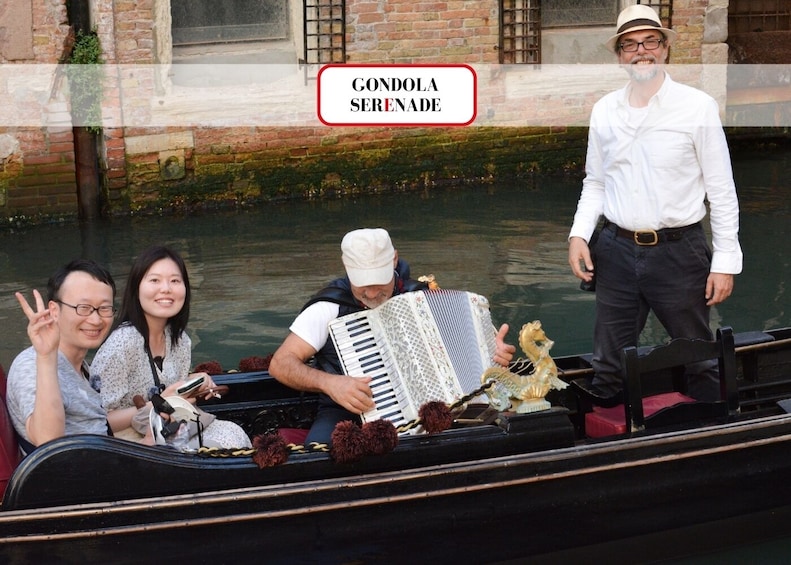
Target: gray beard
x=642, y=75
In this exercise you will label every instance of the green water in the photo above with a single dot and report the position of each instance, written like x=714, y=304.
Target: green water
x=252, y=270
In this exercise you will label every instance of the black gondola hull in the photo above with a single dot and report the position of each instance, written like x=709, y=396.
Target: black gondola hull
x=522, y=486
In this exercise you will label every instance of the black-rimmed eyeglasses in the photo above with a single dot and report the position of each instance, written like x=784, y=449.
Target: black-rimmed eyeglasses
x=86, y=310
x=650, y=44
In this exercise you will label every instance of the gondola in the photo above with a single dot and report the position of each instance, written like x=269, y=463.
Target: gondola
x=495, y=486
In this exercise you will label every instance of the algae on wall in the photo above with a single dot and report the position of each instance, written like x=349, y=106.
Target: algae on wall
x=416, y=159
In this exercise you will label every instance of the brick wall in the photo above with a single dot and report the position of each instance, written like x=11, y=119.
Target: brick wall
x=46, y=180
x=228, y=166
x=127, y=36
x=157, y=168
x=405, y=31
x=37, y=172
x=50, y=29
x=689, y=17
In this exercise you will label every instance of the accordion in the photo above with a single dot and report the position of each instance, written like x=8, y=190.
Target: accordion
x=417, y=347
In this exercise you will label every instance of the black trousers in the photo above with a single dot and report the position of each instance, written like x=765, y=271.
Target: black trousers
x=669, y=279
x=328, y=416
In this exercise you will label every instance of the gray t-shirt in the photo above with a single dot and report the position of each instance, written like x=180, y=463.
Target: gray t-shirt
x=84, y=412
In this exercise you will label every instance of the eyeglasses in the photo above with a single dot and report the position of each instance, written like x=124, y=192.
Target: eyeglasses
x=86, y=310
x=649, y=44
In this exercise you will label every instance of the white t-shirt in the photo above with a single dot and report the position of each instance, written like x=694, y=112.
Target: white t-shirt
x=312, y=324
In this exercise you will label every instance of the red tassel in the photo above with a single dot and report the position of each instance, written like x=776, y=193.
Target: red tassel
x=347, y=442
x=379, y=437
x=435, y=417
x=270, y=450
x=254, y=363
x=210, y=367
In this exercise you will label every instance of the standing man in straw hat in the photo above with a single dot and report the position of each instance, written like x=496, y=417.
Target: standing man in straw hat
x=374, y=274
x=656, y=154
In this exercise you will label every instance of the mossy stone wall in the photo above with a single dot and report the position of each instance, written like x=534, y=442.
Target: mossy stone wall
x=222, y=169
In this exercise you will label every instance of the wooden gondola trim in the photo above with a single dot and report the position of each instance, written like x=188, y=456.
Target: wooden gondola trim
x=763, y=345
x=398, y=476
x=574, y=373
x=346, y=505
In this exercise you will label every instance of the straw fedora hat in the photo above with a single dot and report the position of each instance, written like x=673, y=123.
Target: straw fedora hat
x=636, y=18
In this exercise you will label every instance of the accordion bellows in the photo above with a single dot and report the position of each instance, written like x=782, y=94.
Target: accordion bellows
x=418, y=347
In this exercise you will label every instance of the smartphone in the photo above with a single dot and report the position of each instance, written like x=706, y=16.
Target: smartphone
x=191, y=385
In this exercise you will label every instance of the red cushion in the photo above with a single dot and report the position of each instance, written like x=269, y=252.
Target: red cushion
x=9, y=449
x=293, y=435
x=611, y=421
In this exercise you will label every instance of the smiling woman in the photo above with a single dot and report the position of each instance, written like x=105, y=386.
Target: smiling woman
x=149, y=353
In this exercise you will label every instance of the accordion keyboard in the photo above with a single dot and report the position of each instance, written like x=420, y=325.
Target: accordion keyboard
x=417, y=347
x=362, y=357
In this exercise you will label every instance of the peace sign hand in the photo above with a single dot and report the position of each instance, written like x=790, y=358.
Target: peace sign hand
x=42, y=330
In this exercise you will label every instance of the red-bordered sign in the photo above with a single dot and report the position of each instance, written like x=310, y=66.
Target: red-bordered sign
x=397, y=95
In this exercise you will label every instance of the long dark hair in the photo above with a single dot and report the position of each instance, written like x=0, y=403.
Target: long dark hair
x=131, y=309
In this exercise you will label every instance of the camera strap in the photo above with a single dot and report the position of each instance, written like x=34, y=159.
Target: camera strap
x=154, y=370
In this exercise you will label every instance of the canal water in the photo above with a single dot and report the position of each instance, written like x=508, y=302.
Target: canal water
x=253, y=269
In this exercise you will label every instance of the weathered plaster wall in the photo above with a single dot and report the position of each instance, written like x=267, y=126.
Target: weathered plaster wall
x=32, y=30
x=16, y=31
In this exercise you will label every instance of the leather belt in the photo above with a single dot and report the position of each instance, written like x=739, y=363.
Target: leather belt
x=652, y=237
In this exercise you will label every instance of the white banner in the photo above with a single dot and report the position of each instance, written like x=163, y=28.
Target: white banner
x=230, y=95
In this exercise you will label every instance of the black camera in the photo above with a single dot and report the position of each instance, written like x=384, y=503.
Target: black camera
x=161, y=406
x=589, y=286
x=171, y=428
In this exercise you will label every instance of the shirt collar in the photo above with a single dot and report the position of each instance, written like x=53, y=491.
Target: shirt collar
x=657, y=98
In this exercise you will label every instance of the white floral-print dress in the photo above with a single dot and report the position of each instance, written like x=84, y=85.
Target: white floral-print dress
x=121, y=369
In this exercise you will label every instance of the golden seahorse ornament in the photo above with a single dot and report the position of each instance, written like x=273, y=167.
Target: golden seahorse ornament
x=525, y=393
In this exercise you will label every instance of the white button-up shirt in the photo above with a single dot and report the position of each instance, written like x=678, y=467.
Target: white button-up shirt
x=654, y=169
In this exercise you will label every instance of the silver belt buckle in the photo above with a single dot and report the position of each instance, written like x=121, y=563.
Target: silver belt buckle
x=646, y=237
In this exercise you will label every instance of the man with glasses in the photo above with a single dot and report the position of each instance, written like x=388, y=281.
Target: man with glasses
x=656, y=156
x=48, y=394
